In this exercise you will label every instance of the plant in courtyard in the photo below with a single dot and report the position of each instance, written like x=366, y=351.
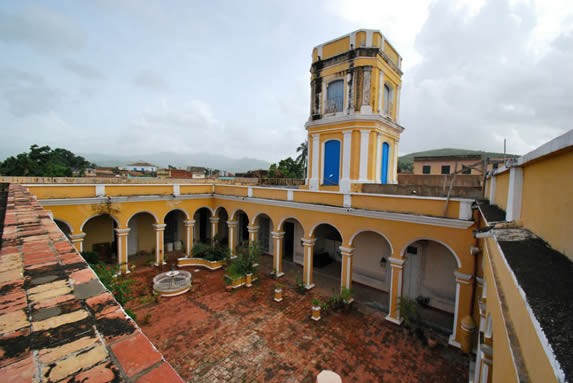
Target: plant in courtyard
x=300, y=287
x=409, y=311
x=215, y=252
x=316, y=302
x=346, y=294
x=118, y=284
x=90, y=256
x=244, y=263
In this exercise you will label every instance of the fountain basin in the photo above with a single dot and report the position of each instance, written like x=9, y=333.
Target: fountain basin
x=172, y=283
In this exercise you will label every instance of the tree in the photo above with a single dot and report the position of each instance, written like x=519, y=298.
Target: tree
x=302, y=158
x=287, y=168
x=42, y=161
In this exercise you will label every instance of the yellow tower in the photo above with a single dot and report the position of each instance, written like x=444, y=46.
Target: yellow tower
x=353, y=129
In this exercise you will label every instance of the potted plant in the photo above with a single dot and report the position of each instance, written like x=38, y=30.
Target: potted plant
x=316, y=306
x=249, y=279
x=300, y=287
x=431, y=339
x=278, y=292
x=409, y=312
x=346, y=296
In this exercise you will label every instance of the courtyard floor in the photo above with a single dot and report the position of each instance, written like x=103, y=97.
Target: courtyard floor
x=211, y=335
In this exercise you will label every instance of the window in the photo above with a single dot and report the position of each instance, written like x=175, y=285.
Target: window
x=466, y=170
x=445, y=169
x=495, y=165
x=426, y=169
x=387, y=99
x=331, y=162
x=335, y=96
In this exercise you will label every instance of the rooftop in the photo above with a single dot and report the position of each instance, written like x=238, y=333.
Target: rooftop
x=57, y=321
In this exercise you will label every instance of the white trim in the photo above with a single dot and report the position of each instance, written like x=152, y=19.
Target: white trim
x=364, y=140
x=410, y=243
x=347, y=201
x=176, y=190
x=346, y=158
x=514, y=194
x=465, y=211
x=177, y=209
x=64, y=222
x=325, y=223
x=351, y=242
x=562, y=142
x=452, y=340
x=282, y=222
x=313, y=184
x=249, y=191
x=94, y=216
x=319, y=51
x=328, y=119
x=351, y=40
x=100, y=190
x=369, y=33
x=290, y=195
x=323, y=152
x=144, y=212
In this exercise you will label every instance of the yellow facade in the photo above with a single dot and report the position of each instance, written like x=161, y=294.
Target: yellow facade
x=355, y=93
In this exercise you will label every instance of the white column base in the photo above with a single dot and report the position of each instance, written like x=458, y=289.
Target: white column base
x=367, y=109
x=313, y=185
x=394, y=320
x=344, y=186
x=453, y=342
x=308, y=287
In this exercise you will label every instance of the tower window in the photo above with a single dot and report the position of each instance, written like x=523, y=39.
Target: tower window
x=445, y=169
x=387, y=99
x=426, y=169
x=335, y=96
x=466, y=169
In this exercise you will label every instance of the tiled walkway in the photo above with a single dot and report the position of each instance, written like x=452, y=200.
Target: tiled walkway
x=210, y=335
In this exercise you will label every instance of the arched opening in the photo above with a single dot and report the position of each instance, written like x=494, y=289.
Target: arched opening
x=64, y=227
x=222, y=228
x=141, y=239
x=265, y=224
x=331, y=173
x=385, y=157
x=242, y=230
x=202, y=225
x=429, y=280
x=175, y=234
x=326, y=257
x=101, y=239
x=293, y=251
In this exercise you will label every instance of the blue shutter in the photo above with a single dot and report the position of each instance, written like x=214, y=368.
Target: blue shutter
x=335, y=96
x=331, y=162
x=385, y=152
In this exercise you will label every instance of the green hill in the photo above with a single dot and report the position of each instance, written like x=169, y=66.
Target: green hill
x=406, y=161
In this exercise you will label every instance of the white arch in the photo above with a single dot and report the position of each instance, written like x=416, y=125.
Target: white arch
x=281, y=223
x=257, y=215
x=175, y=209
x=351, y=242
x=217, y=210
x=311, y=233
x=204, y=207
x=459, y=263
x=143, y=211
x=65, y=223
x=233, y=216
x=99, y=215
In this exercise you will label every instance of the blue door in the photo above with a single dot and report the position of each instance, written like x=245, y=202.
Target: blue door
x=385, y=153
x=331, y=162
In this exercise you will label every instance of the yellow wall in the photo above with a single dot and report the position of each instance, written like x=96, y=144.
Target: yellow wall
x=126, y=190
x=98, y=230
x=512, y=311
x=501, y=189
x=336, y=47
x=62, y=191
x=547, y=207
x=145, y=232
x=436, y=165
x=433, y=207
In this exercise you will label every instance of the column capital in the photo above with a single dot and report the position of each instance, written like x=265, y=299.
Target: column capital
x=232, y=224
x=122, y=232
x=77, y=237
x=463, y=278
x=347, y=251
x=396, y=262
x=277, y=234
x=159, y=226
x=253, y=228
x=214, y=219
x=189, y=222
x=308, y=242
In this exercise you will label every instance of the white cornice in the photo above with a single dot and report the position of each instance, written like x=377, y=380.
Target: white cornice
x=354, y=118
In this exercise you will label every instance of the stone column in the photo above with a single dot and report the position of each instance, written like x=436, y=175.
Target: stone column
x=159, y=231
x=346, y=273
x=253, y=233
x=190, y=228
x=214, y=226
x=464, y=287
x=308, y=244
x=78, y=241
x=232, y=225
x=278, y=237
x=122, y=249
x=397, y=265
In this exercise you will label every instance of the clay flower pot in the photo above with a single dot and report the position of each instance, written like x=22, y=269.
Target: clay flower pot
x=249, y=280
x=315, y=313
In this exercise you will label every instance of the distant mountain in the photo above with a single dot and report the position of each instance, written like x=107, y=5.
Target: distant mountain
x=163, y=159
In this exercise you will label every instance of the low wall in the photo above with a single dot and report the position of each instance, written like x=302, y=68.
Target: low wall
x=441, y=180
x=423, y=190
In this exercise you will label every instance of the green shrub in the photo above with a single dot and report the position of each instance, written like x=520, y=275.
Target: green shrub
x=90, y=257
x=118, y=284
x=210, y=252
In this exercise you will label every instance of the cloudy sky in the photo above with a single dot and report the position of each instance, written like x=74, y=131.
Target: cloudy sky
x=135, y=77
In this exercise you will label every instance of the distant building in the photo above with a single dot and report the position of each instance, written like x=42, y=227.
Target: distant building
x=463, y=163
x=144, y=167
x=198, y=172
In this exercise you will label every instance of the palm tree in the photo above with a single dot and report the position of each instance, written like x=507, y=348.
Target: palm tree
x=303, y=156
